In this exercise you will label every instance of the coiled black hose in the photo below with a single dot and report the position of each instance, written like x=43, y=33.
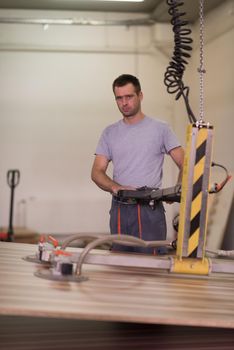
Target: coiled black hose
x=175, y=70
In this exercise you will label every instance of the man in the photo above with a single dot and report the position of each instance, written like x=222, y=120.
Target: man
x=136, y=145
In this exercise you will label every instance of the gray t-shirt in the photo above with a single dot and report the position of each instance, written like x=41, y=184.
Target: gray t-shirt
x=137, y=151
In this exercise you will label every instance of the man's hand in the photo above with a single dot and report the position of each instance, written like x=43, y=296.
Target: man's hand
x=117, y=188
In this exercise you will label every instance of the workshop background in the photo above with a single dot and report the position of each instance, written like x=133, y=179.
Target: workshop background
x=56, y=98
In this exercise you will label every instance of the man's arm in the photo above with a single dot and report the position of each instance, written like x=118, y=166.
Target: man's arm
x=177, y=154
x=100, y=177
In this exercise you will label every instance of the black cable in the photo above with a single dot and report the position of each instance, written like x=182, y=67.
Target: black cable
x=218, y=187
x=220, y=166
x=175, y=70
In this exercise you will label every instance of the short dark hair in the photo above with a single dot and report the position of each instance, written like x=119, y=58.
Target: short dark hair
x=125, y=79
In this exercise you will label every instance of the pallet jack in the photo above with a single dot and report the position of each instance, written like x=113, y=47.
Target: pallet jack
x=190, y=257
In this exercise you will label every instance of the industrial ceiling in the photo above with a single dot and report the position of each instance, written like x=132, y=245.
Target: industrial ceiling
x=157, y=10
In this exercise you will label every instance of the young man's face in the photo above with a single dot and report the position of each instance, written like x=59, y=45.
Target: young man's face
x=128, y=101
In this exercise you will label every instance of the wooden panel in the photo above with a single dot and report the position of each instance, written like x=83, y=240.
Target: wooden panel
x=114, y=294
x=28, y=333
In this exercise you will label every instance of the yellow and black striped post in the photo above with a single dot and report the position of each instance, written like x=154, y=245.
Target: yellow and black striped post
x=194, y=199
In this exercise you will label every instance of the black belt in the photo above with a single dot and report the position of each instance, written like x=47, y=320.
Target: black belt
x=125, y=200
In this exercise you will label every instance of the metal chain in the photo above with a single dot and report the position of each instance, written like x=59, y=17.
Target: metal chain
x=201, y=69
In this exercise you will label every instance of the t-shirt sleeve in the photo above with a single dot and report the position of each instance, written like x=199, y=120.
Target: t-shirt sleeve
x=102, y=146
x=170, y=140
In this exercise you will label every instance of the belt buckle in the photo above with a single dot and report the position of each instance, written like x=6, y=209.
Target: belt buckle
x=130, y=201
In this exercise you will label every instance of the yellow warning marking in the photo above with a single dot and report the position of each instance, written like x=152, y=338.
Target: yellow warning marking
x=196, y=206
x=199, y=169
x=193, y=241
x=198, y=148
x=201, y=137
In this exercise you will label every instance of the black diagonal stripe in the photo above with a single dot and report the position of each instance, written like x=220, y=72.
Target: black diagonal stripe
x=200, y=152
x=193, y=254
x=194, y=223
x=197, y=187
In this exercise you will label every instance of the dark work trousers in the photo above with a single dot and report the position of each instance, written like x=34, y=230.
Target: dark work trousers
x=140, y=221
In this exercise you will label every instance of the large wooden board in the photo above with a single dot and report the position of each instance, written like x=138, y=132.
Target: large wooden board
x=114, y=294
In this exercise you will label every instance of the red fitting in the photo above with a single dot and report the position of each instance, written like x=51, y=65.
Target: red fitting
x=3, y=236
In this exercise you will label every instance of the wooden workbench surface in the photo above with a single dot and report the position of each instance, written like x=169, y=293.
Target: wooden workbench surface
x=114, y=294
